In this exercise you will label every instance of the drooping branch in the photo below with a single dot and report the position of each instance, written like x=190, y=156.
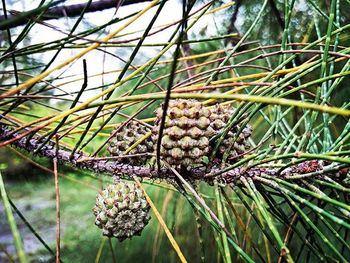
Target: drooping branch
x=113, y=167
x=68, y=11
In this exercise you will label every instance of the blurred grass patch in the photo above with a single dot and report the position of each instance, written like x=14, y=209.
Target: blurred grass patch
x=81, y=239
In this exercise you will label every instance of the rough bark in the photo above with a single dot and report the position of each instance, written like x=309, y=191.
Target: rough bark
x=114, y=168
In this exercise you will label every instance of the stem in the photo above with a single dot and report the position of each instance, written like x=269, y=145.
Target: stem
x=10, y=218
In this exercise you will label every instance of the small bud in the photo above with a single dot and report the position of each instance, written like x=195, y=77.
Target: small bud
x=203, y=143
x=176, y=153
x=187, y=143
x=167, y=142
x=203, y=123
x=194, y=132
x=108, y=203
x=176, y=133
x=218, y=124
x=196, y=152
x=175, y=113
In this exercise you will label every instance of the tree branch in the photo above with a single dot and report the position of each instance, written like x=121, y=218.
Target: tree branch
x=277, y=14
x=67, y=11
x=113, y=167
x=231, y=27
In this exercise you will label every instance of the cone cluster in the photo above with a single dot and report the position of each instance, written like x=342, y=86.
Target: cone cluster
x=126, y=137
x=121, y=211
x=190, y=133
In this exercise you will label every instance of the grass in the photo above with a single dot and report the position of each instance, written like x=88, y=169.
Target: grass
x=81, y=239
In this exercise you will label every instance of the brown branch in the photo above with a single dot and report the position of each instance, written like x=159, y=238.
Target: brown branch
x=112, y=167
x=288, y=234
x=231, y=27
x=69, y=11
x=277, y=14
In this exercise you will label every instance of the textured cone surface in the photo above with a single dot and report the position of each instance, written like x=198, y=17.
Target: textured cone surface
x=219, y=117
x=121, y=211
x=125, y=138
x=185, y=139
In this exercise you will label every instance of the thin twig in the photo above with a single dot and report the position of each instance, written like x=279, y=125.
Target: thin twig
x=288, y=234
x=200, y=200
x=161, y=221
x=112, y=251
x=58, y=216
x=12, y=222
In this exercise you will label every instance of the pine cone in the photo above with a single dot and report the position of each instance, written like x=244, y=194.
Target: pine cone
x=126, y=137
x=185, y=137
x=219, y=117
x=121, y=211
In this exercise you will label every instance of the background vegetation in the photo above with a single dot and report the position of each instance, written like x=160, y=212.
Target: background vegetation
x=72, y=75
